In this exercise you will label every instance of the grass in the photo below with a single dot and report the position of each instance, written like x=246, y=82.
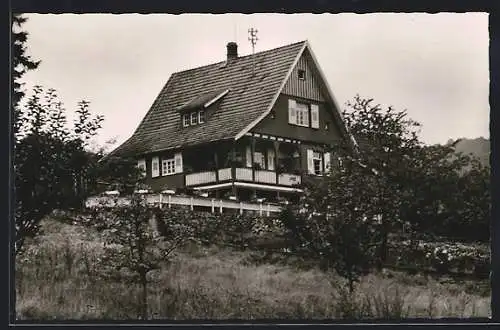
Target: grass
x=58, y=279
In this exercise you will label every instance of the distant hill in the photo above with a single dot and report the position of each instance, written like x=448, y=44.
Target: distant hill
x=479, y=147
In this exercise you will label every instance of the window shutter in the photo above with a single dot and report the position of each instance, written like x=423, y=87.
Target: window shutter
x=155, y=167
x=310, y=163
x=248, y=156
x=270, y=159
x=327, y=159
x=314, y=116
x=178, y=162
x=141, y=164
x=292, y=114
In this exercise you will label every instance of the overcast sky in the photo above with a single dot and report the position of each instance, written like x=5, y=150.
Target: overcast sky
x=433, y=65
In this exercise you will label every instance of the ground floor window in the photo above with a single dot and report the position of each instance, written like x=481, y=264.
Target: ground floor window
x=168, y=166
x=318, y=163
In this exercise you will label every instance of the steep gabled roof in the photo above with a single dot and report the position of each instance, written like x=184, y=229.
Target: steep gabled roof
x=250, y=97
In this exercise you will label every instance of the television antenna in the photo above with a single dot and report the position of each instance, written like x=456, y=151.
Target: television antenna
x=253, y=40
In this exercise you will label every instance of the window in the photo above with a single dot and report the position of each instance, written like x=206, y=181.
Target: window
x=302, y=114
x=141, y=165
x=201, y=117
x=302, y=74
x=258, y=157
x=185, y=120
x=298, y=113
x=155, y=167
x=194, y=118
x=317, y=163
x=168, y=166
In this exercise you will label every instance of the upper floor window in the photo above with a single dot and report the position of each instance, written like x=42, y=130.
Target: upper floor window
x=301, y=74
x=201, y=117
x=185, y=119
x=303, y=114
x=194, y=118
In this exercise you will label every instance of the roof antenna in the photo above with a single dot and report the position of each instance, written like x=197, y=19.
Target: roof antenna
x=253, y=39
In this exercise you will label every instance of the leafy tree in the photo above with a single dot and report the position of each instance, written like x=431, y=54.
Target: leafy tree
x=50, y=160
x=388, y=143
x=337, y=222
x=133, y=243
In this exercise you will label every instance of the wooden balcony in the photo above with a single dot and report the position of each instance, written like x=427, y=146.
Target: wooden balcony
x=241, y=174
x=194, y=179
x=225, y=174
x=263, y=176
x=287, y=179
x=244, y=174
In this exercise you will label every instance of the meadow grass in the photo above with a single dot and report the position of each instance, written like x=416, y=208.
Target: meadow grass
x=57, y=278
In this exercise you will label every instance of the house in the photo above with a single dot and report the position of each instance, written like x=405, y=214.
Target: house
x=248, y=127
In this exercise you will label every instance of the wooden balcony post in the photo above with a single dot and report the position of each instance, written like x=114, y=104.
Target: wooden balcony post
x=252, y=160
x=233, y=168
x=276, y=146
x=301, y=168
x=216, y=163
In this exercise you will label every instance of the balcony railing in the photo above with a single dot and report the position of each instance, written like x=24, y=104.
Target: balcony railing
x=265, y=176
x=194, y=179
x=224, y=174
x=288, y=179
x=243, y=174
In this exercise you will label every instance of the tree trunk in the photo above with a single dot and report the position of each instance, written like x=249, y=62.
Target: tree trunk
x=143, y=299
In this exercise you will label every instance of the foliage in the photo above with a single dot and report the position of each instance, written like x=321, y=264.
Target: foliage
x=444, y=257
x=388, y=141
x=51, y=161
x=337, y=223
x=427, y=189
x=214, y=283
x=227, y=229
x=21, y=63
x=133, y=245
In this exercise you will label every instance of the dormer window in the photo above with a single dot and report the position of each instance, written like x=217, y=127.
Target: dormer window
x=186, y=119
x=194, y=118
x=302, y=74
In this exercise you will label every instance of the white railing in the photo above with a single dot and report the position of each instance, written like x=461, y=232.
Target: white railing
x=216, y=205
x=287, y=179
x=193, y=179
x=265, y=176
x=244, y=174
x=224, y=174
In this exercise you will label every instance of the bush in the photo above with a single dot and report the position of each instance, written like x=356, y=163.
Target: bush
x=443, y=257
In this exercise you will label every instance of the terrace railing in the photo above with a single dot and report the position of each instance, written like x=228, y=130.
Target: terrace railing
x=212, y=204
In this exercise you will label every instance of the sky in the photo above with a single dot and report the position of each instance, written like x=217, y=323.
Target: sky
x=435, y=66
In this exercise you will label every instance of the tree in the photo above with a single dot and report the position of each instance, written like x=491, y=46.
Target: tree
x=21, y=63
x=50, y=160
x=336, y=221
x=133, y=244
x=388, y=143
